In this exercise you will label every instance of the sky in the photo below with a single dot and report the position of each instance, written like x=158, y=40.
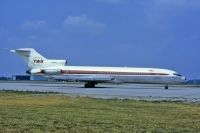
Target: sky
x=132, y=33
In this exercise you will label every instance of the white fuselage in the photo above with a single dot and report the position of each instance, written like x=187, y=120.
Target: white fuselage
x=118, y=74
x=57, y=69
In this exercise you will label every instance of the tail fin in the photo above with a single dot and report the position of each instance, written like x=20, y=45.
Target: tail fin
x=31, y=57
x=35, y=60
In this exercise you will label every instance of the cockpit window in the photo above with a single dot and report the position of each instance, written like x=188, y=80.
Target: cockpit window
x=176, y=74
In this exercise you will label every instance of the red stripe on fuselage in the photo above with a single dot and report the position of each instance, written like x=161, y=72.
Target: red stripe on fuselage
x=111, y=73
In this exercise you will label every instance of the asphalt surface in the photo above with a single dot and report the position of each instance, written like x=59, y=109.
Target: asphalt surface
x=108, y=91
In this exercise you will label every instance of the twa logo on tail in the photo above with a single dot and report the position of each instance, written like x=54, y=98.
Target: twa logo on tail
x=38, y=61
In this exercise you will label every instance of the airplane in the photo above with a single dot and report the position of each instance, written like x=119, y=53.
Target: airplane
x=58, y=70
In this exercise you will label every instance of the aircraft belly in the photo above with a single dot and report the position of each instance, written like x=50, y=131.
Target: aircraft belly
x=143, y=79
x=119, y=78
x=85, y=78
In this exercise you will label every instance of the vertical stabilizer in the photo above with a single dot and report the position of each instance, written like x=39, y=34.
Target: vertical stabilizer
x=31, y=57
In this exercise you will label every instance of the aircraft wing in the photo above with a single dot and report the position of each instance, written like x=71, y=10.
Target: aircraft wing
x=85, y=78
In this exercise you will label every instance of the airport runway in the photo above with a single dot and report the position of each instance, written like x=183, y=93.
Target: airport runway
x=108, y=91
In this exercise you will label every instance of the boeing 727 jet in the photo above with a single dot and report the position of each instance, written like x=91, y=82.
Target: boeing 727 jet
x=57, y=69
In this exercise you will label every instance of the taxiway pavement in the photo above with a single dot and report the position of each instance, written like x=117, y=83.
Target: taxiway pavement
x=149, y=92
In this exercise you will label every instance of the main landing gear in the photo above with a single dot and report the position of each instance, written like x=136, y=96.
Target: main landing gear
x=166, y=87
x=90, y=84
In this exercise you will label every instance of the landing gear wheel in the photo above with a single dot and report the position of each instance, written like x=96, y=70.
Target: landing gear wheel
x=90, y=85
x=166, y=87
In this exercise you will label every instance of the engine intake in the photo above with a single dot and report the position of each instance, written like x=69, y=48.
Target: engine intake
x=33, y=71
x=51, y=71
